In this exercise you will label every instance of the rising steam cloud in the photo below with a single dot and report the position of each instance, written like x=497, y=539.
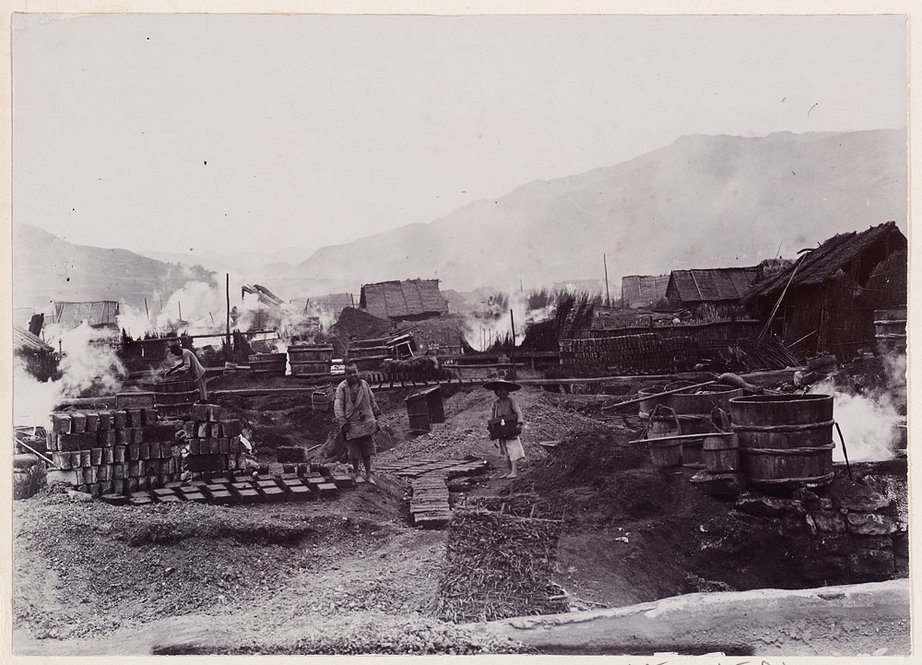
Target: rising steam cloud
x=88, y=367
x=492, y=321
x=201, y=309
x=868, y=420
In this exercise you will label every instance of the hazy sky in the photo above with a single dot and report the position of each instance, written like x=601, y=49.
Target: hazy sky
x=261, y=133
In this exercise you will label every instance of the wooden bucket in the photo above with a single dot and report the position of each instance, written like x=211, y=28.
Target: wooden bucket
x=693, y=450
x=665, y=452
x=320, y=401
x=784, y=440
x=663, y=422
x=720, y=451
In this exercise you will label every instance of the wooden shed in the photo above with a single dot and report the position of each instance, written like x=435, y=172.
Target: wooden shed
x=643, y=290
x=826, y=300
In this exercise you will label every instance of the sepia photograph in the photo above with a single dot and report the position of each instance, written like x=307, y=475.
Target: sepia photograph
x=353, y=334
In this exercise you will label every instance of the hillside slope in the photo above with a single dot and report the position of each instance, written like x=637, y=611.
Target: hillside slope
x=46, y=268
x=702, y=201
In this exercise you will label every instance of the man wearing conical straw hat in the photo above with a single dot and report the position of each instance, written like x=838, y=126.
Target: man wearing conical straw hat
x=505, y=409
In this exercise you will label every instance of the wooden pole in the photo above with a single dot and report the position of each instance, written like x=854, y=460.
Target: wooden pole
x=512, y=322
x=607, y=294
x=657, y=395
x=179, y=303
x=146, y=309
x=793, y=344
x=227, y=339
x=780, y=298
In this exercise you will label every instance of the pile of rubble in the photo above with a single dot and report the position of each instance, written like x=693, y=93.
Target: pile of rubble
x=465, y=431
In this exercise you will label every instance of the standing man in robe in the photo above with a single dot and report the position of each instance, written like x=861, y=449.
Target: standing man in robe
x=357, y=413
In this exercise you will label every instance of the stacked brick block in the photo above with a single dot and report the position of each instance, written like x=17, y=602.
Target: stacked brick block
x=310, y=361
x=174, y=398
x=305, y=483
x=647, y=353
x=126, y=456
x=429, y=502
x=268, y=364
x=114, y=451
x=212, y=441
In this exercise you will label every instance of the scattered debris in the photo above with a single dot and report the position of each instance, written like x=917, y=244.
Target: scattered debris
x=499, y=566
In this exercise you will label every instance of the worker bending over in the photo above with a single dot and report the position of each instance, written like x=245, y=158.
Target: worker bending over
x=191, y=365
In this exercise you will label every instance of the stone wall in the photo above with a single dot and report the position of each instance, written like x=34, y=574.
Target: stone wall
x=848, y=533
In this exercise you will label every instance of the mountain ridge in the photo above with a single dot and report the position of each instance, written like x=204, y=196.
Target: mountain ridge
x=734, y=199
x=700, y=201
x=47, y=268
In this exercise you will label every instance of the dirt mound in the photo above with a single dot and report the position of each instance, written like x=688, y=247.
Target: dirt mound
x=583, y=456
x=464, y=431
x=634, y=532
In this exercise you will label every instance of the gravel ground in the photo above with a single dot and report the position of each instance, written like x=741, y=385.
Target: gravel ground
x=294, y=578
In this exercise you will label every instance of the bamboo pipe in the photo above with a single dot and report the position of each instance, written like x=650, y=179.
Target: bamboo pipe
x=677, y=437
x=656, y=395
x=35, y=452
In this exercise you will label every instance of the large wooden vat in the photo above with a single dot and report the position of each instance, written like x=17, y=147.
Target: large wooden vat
x=784, y=440
x=693, y=410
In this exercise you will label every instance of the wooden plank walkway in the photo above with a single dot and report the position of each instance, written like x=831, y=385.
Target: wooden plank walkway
x=428, y=478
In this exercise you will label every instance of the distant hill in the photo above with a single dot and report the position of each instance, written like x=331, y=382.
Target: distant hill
x=248, y=265
x=47, y=268
x=703, y=201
